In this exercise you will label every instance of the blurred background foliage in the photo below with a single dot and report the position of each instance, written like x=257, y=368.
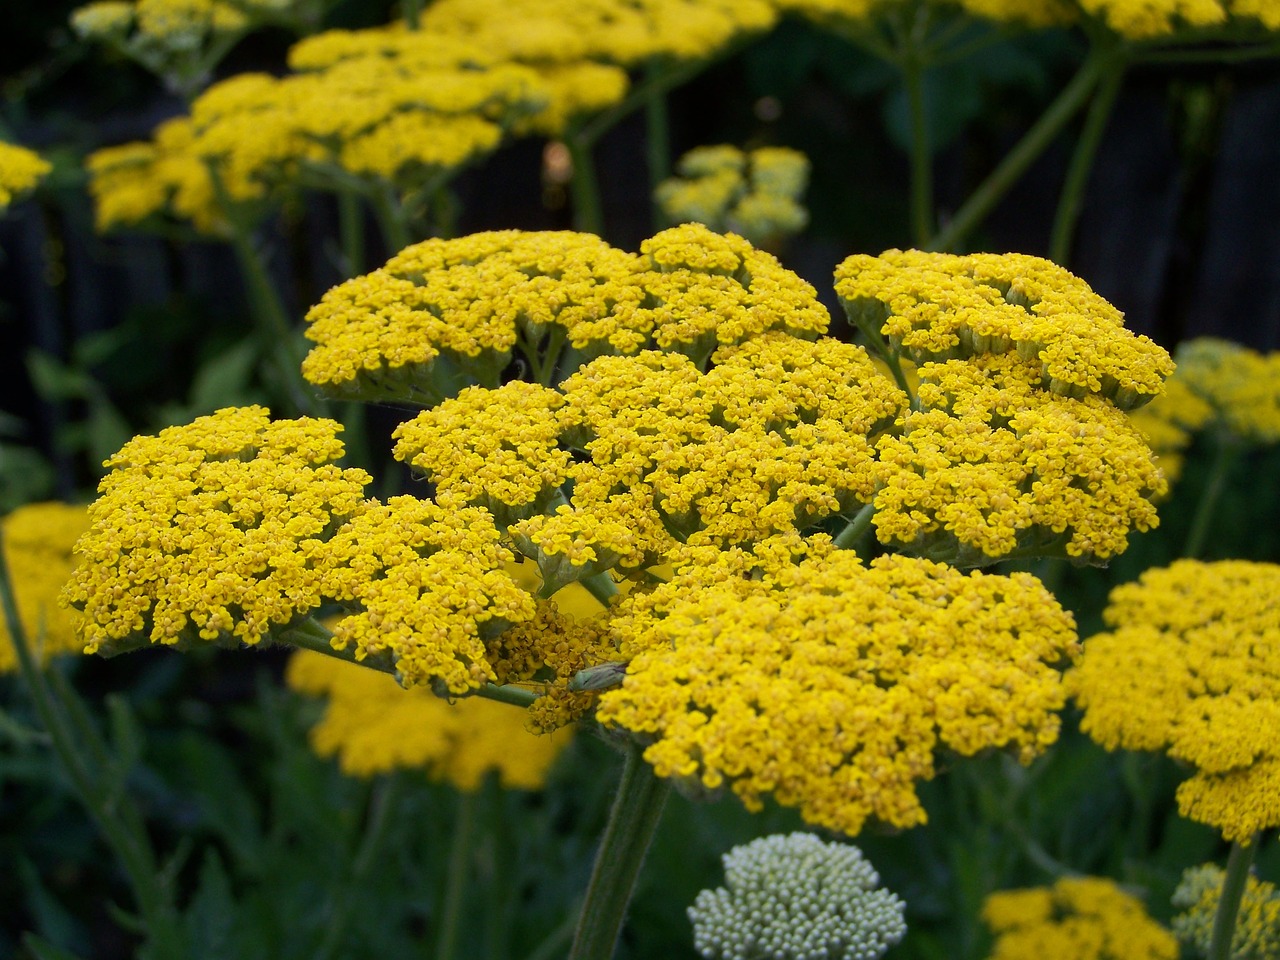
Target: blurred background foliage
x=271, y=852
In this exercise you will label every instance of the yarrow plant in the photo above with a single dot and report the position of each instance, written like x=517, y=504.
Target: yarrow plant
x=795, y=897
x=1198, y=896
x=20, y=170
x=690, y=436
x=1078, y=918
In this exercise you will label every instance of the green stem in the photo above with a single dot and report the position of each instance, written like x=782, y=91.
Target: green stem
x=412, y=10
x=1233, y=887
x=307, y=634
x=456, y=880
x=386, y=797
x=1219, y=471
x=584, y=186
x=601, y=586
x=391, y=219
x=1015, y=164
x=633, y=821
x=554, y=943
x=853, y=532
x=351, y=232
x=921, y=154
x=657, y=136
x=120, y=822
x=1261, y=51
x=1095, y=124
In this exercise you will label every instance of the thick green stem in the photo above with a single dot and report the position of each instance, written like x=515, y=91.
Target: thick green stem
x=854, y=531
x=412, y=10
x=921, y=152
x=637, y=809
x=1095, y=124
x=657, y=136
x=1036, y=140
x=1202, y=522
x=392, y=219
x=351, y=232
x=584, y=186
x=456, y=880
x=1233, y=887
x=92, y=780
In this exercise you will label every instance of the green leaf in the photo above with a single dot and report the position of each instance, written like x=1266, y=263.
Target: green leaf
x=53, y=380
x=126, y=734
x=210, y=919
x=224, y=380
x=108, y=430
x=42, y=949
x=52, y=919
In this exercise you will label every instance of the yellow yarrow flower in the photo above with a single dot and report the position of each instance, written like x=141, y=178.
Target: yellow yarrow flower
x=212, y=531
x=1240, y=386
x=1169, y=423
x=1257, y=930
x=445, y=313
x=832, y=685
x=989, y=466
x=939, y=306
x=38, y=541
x=373, y=726
x=755, y=194
x=427, y=586
x=1190, y=667
x=1078, y=918
x=20, y=170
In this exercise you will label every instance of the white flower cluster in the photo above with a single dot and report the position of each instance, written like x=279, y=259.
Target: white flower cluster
x=795, y=897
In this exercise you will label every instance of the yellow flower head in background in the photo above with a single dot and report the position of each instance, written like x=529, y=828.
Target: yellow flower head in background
x=1078, y=918
x=1191, y=666
x=38, y=541
x=755, y=194
x=443, y=314
x=211, y=531
x=20, y=170
x=939, y=306
x=859, y=16
x=1157, y=19
x=1240, y=386
x=1257, y=931
x=1169, y=422
x=374, y=726
x=797, y=671
x=989, y=466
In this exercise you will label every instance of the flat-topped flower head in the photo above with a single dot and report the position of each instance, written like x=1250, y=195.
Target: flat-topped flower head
x=211, y=532
x=1191, y=666
x=831, y=685
x=444, y=314
x=1240, y=386
x=940, y=306
x=428, y=587
x=20, y=170
x=1078, y=918
x=38, y=542
x=777, y=436
x=1257, y=930
x=374, y=726
x=795, y=897
x=498, y=449
x=989, y=466
x=1161, y=19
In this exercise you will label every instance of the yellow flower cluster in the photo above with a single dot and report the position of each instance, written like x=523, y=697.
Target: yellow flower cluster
x=1240, y=386
x=1191, y=666
x=38, y=541
x=20, y=170
x=1169, y=421
x=1153, y=19
x=755, y=194
x=778, y=435
x=938, y=306
x=492, y=448
x=211, y=531
x=1078, y=918
x=987, y=465
x=374, y=726
x=428, y=586
x=1257, y=930
x=174, y=24
x=445, y=313
x=856, y=16
x=399, y=119
x=831, y=685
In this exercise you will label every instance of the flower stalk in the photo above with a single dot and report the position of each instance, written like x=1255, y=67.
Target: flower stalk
x=633, y=821
x=1233, y=887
